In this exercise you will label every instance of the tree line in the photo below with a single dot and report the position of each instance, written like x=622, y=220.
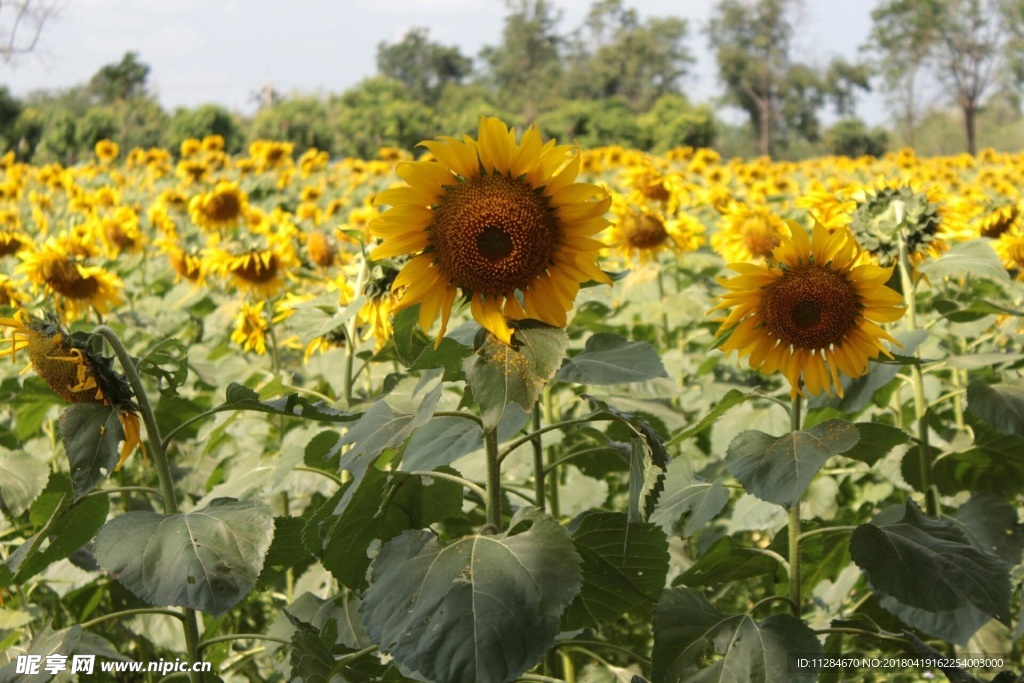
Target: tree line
x=618, y=78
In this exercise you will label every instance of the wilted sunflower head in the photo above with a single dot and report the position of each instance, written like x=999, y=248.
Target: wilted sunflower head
x=497, y=220
x=70, y=367
x=809, y=311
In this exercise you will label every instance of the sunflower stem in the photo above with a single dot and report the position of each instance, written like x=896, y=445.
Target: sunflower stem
x=163, y=469
x=931, y=494
x=538, y=460
x=493, y=479
x=350, y=332
x=794, y=528
x=549, y=418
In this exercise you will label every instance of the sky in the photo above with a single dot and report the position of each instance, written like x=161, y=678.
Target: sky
x=226, y=51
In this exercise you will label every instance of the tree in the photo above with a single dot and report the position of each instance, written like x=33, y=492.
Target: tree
x=425, y=68
x=378, y=112
x=972, y=35
x=526, y=68
x=125, y=80
x=22, y=23
x=902, y=37
x=616, y=55
x=208, y=119
x=751, y=40
x=851, y=138
x=300, y=120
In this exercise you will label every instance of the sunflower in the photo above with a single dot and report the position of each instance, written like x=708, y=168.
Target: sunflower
x=494, y=219
x=73, y=371
x=261, y=272
x=10, y=293
x=997, y=220
x=1010, y=247
x=12, y=242
x=748, y=233
x=75, y=286
x=809, y=311
x=107, y=151
x=322, y=250
x=251, y=328
x=225, y=206
x=641, y=234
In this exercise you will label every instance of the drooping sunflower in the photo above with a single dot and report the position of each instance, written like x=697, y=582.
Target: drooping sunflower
x=496, y=220
x=74, y=371
x=809, y=311
x=258, y=271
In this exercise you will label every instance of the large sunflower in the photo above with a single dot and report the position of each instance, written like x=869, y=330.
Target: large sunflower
x=497, y=220
x=748, y=233
x=809, y=311
x=75, y=286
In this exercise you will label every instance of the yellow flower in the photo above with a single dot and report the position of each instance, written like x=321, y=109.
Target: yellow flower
x=748, y=233
x=261, y=272
x=76, y=287
x=496, y=220
x=641, y=234
x=321, y=249
x=107, y=151
x=73, y=371
x=809, y=312
x=223, y=207
x=251, y=328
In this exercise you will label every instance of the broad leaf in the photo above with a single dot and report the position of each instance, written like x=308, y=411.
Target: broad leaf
x=1000, y=405
x=991, y=524
x=974, y=257
x=206, y=559
x=876, y=440
x=727, y=560
x=930, y=564
x=91, y=433
x=441, y=441
x=484, y=608
x=616, y=580
x=46, y=642
x=610, y=359
x=379, y=429
x=956, y=626
x=22, y=479
x=779, y=470
x=69, y=527
x=688, y=629
x=648, y=461
x=500, y=375
x=450, y=356
x=732, y=399
x=688, y=502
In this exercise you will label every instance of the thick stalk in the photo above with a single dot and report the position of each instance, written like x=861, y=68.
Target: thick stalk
x=795, y=577
x=163, y=470
x=549, y=418
x=931, y=494
x=493, y=480
x=351, y=333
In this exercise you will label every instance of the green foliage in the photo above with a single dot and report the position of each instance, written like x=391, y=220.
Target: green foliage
x=673, y=122
x=207, y=119
x=125, y=80
x=423, y=67
x=379, y=112
x=850, y=137
x=304, y=121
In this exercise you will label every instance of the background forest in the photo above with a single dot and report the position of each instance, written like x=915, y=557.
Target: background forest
x=952, y=72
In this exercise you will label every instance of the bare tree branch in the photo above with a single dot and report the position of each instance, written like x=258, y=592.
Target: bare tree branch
x=22, y=23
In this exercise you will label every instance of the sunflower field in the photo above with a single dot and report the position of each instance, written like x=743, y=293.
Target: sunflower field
x=501, y=409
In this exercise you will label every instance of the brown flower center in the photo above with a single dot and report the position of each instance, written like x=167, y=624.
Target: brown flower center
x=644, y=231
x=811, y=307
x=223, y=207
x=493, y=234
x=63, y=277
x=254, y=270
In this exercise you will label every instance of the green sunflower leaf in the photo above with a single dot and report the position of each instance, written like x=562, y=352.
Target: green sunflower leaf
x=689, y=631
x=610, y=359
x=930, y=564
x=727, y=560
x=1000, y=405
x=779, y=470
x=501, y=375
x=616, y=581
x=207, y=559
x=91, y=433
x=974, y=257
x=484, y=608
x=22, y=479
x=241, y=397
